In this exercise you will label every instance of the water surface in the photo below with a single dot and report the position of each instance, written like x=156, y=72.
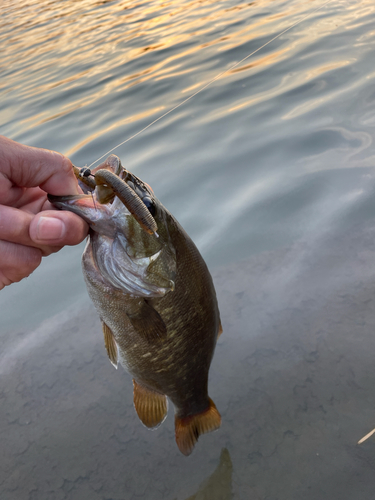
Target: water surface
x=271, y=171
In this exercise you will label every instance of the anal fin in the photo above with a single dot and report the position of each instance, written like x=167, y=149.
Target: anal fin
x=110, y=345
x=151, y=406
x=147, y=322
x=188, y=429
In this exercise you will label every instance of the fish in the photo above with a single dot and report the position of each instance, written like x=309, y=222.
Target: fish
x=154, y=295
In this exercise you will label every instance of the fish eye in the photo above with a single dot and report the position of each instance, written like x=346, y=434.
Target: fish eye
x=149, y=204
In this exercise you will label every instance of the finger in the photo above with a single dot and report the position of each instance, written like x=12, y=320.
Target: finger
x=17, y=262
x=25, y=166
x=48, y=230
x=14, y=225
x=57, y=228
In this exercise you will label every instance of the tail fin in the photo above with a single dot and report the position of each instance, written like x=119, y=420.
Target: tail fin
x=188, y=429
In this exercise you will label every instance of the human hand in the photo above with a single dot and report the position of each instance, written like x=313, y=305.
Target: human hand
x=30, y=227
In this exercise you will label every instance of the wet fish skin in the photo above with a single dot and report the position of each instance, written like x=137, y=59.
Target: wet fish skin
x=163, y=325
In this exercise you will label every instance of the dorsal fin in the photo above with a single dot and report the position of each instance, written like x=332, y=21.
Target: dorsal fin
x=110, y=345
x=188, y=429
x=151, y=406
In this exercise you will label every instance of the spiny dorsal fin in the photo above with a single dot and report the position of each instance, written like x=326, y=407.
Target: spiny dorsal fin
x=148, y=323
x=151, y=406
x=188, y=429
x=110, y=345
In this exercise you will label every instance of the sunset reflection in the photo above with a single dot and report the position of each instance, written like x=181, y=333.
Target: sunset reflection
x=63, y=57
x=61, y=46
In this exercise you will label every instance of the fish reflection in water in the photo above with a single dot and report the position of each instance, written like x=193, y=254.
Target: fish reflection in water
x=219, y=485
x=155, y=297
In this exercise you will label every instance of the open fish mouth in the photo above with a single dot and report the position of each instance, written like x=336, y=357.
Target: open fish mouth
x=83, y=205
x=120, y=209
x=70, y=200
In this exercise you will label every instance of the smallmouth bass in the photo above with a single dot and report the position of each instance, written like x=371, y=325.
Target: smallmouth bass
x=154, y=295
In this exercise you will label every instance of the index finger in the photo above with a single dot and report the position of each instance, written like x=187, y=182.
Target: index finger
x=25, y=166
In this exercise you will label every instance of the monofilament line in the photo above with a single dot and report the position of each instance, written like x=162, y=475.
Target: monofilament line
x=213, y=80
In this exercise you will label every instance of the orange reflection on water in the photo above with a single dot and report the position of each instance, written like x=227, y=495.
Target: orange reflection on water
x=63, y=56
x=55, y=48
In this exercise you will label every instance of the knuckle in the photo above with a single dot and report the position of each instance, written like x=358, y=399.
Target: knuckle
x=66, y=165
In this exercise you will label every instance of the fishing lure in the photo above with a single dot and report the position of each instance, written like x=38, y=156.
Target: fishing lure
x=109, y=184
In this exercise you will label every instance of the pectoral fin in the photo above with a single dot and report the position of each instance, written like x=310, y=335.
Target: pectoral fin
x=151, y=406
x=110, y=345
x=147, y=322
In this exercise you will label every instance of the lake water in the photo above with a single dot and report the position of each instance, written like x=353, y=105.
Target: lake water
x=271, y=170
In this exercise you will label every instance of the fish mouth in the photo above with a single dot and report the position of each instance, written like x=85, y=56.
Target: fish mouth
x=83, y=205
x=114, y=253
x=122, y=247
x=68, y=202
x=109, y=187
x=62, y=199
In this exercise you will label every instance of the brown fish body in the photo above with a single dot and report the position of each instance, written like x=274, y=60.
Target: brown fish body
x=163, y=329
x=178, y=364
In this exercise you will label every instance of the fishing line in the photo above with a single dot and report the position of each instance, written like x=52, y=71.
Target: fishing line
x=93, y=200
x=212, y=81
